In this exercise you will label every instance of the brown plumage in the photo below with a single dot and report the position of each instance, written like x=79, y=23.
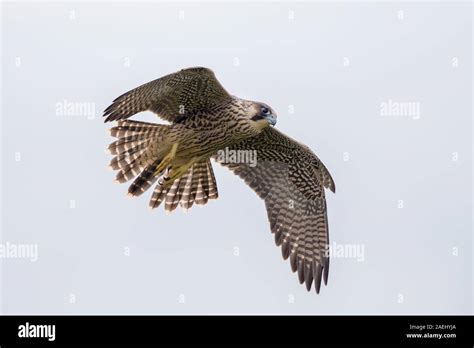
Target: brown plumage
x=204, y=120
x=291, y=181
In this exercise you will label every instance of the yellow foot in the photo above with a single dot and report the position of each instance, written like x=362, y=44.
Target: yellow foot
x=167, y=159
x=177, y=173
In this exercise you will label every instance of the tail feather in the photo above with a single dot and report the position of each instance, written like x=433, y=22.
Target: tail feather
x=144, y=180
x=188, y=190
x=124, y=159
x=158, y=196
x=127, y=128
x=133, y=151
x=197, y=185
x=202, y=192
x=130, y=170
x=212, y=191
x=128, y=144
x=172, y=196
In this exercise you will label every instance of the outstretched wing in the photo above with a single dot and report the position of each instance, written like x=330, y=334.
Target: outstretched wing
x=291, y=181
x=173, y=97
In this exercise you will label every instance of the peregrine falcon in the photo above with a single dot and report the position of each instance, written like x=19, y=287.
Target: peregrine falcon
x=203, y=120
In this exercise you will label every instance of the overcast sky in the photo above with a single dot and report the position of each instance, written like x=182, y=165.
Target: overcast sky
x=380, y=92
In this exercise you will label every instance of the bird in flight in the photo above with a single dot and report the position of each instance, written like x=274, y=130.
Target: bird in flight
x=203, y=120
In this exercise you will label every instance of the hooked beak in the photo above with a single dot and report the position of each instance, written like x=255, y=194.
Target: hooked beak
x=271, y=119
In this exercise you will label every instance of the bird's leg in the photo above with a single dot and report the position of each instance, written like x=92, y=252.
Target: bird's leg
x=167, y=159
x=178, y=172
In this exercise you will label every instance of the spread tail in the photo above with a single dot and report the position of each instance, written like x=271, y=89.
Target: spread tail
x=138, y=155
x=197, y=185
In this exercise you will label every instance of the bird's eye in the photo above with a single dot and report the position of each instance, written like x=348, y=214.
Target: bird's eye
x=265, y=110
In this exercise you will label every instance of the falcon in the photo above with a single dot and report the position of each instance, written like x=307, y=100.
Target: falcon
x=203, y=120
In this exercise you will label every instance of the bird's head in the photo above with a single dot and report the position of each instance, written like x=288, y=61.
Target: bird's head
x=263, y=115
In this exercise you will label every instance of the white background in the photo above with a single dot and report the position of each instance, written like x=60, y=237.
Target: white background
x=334, y=63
